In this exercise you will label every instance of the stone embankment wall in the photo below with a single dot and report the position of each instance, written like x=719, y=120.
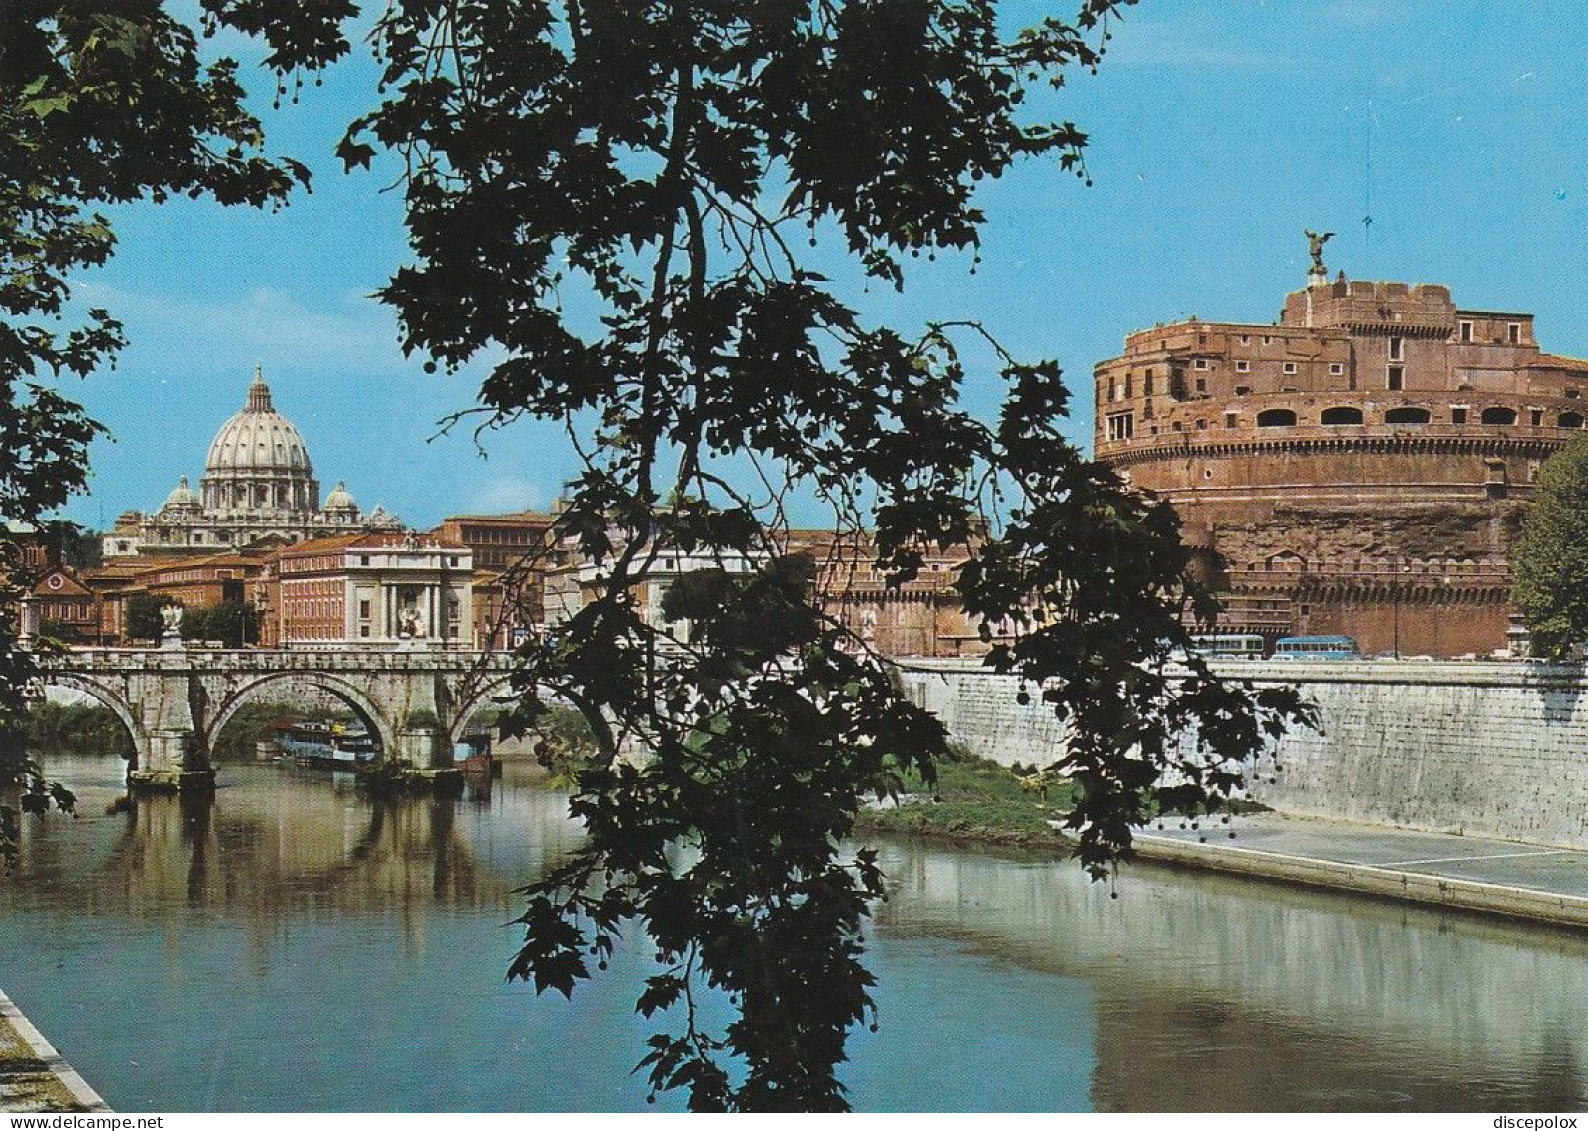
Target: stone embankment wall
x=1491, y=749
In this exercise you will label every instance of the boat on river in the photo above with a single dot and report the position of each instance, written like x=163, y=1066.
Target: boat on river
x=326, y=745
x=472, y=755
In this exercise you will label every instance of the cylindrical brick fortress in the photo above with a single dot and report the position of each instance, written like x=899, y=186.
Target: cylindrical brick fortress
x=1360, y=467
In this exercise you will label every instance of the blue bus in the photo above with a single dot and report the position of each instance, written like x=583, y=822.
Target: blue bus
x=1317, y=648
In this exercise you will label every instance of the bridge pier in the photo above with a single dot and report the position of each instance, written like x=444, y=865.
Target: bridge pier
x=172, y=752
x=170, y=760
x=423, y=747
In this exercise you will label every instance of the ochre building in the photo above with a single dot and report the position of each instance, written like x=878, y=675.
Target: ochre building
x=1359, y=467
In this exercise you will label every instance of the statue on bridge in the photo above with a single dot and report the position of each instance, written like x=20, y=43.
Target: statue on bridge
x=171, y=626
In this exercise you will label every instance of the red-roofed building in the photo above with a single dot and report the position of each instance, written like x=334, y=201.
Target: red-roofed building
x=376, y=589
x=61, y=607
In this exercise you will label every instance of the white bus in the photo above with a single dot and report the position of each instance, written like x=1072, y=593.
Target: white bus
x=1230, y=647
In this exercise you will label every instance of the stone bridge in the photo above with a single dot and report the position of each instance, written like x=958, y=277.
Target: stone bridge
x=176, y=702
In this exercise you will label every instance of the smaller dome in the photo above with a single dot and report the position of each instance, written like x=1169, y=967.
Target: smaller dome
x=340, y=499
x=184, y=497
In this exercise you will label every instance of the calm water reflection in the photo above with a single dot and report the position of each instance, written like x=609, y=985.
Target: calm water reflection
x=294, y=945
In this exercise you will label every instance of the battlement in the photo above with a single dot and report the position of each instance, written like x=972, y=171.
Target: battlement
x=1365, y=306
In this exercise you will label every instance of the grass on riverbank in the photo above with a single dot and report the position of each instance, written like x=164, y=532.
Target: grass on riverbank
x=980, y=802
x=974, y=802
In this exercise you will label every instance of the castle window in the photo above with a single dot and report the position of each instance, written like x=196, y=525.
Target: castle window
x=1231, y=419
x=1535, y=417
x=1267, y=339
x=1572, y=394
x=1202, y=425
x=1289, y=367
x=1128, y=384
x=1499, y=416
x=1397, y=349
x=1246, y=339
x=1119, y=426
x=1395, y=378
x=1458, y=414
x=1336, y=368
x=1242, y=390
x=1202, y=384
x=1146, y=384
x=1342, y=416
x=1276, y=418
x=1569, y=420
x=1407, y=416
x=1513, y=333
x=1201, y=363
x=1243, y=367
x=1466, y=330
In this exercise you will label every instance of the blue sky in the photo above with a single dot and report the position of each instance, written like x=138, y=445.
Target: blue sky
x=1220, y=129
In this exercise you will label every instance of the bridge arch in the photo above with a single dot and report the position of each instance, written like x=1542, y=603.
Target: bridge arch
x=477, y=695
x=109, y=698
x=355, y=697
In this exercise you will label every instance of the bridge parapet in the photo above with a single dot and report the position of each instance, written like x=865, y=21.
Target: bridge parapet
x=276, y=659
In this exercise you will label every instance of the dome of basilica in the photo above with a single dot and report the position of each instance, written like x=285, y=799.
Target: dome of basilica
x=259, y=463
x=259, y=439
x=258, y=484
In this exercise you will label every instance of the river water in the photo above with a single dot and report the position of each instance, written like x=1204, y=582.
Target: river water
x=294, y=945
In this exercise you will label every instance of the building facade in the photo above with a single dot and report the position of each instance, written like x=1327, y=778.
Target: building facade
x=920, y=617
x=370, y=589
x=511, y=554
x=575, y=582
x=258, y=482
x=1359, y=467
x=500, y=542
x=61, y=607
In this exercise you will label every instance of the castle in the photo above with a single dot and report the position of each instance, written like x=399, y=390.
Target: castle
x=1360, y=467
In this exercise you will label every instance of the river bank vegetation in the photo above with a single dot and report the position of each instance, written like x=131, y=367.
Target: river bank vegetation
x=975, y=801
x=76, y=728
